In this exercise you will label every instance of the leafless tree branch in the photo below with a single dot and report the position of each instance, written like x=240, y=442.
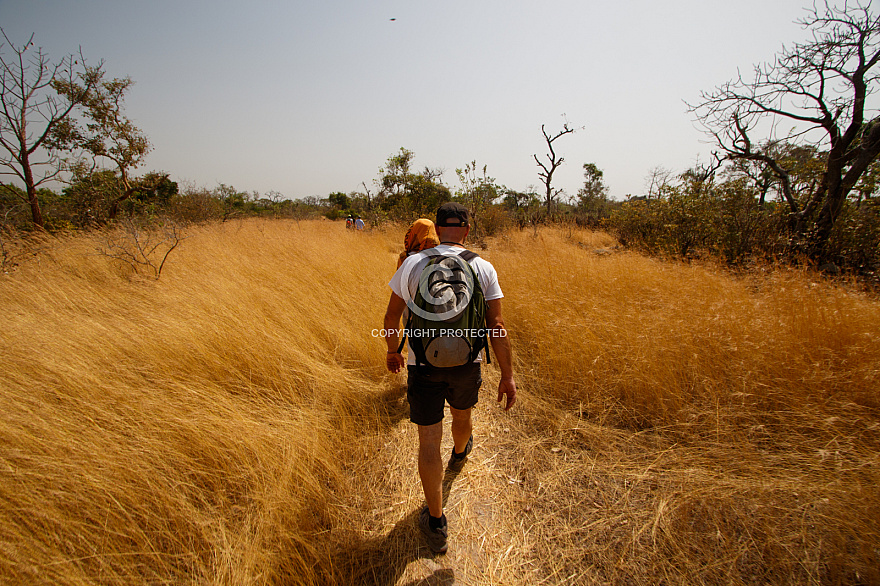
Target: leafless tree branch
x=553, y=162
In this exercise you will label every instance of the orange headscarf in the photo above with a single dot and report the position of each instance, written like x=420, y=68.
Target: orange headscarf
x=421, y=235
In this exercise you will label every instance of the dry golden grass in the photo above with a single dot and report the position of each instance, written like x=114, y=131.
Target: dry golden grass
x=746, y=413
x=232, y=422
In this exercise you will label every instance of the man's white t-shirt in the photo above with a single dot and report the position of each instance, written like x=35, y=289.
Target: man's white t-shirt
x=413, y=265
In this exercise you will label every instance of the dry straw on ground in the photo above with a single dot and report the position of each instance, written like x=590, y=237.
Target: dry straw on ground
x=232, y=423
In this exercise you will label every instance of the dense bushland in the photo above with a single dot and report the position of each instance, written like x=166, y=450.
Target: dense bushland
x=730, y=220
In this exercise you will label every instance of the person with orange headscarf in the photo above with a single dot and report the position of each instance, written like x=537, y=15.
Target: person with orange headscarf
x=420, y=236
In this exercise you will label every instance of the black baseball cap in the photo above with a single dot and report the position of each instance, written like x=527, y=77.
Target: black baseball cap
x=452, y=215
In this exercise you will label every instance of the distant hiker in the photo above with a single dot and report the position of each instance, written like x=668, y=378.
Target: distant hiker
x=349, y=222
x=420, y=236
x=461, y=289
x=358, y=223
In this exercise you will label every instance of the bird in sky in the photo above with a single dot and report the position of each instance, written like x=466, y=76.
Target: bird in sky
x=393, y=19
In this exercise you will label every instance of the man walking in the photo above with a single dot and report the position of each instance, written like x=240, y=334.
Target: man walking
x=430, y=387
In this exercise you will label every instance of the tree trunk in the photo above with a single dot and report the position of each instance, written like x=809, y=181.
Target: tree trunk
x=828, y=213
x=837, y=185
x=36, y=213
x=129, y=190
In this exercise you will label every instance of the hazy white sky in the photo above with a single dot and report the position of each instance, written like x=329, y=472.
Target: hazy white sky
x=312, y=96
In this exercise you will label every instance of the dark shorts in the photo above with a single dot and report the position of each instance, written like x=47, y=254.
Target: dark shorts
x=428, y=389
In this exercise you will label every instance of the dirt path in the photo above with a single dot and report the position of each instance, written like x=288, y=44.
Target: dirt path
x=486, y=542
x=482, y=546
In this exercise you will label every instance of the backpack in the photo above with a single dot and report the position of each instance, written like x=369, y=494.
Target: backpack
x=447, y=319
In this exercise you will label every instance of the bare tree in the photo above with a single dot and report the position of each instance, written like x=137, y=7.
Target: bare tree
x=34, y=118
x=758, y=173
x=369, y=196
x=658, y=181
x=143, y=247
x=433, y=174
x=821, y=87
x=705, y=172
x=553, y=162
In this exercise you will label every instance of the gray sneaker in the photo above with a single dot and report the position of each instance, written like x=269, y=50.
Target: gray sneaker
x=436, y=537
x=456, y=461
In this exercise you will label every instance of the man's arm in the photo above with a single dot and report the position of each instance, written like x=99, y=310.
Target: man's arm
x=503, y=353
x=394, y=361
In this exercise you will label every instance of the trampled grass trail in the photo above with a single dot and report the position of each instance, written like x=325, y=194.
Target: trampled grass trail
x=232, y=422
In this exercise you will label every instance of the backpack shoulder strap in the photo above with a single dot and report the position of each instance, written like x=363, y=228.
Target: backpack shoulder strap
x=405, y=330
x=468, y=255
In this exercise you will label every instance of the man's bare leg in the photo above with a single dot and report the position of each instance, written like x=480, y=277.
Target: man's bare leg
x=462, y=428
x=431, y=466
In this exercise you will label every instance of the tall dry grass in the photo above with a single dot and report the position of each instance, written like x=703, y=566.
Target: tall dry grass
x=186, y=428
x=748, y=409
x=232, y=423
